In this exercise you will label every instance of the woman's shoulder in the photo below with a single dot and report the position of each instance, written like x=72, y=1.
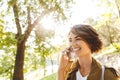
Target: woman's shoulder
x=111, y=74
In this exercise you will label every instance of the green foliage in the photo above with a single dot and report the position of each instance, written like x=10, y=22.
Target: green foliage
x=58, y=6
x=50, y=77
x=117, y=46
x=32, y=61
x=7, y=58
x=7, y=46
x=12, y=2
x=36, y=57
x=1, y=24
x=7, y=39
x=7, y=64
x=44, y=50
x=108, y=25
x=108, y=28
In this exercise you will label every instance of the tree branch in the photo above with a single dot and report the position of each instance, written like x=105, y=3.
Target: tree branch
x=28, y=16
x=31, y=26
x=117, y=7
x=15, y=10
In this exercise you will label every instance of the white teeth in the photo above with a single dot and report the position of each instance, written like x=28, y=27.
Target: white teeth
x=76, y=49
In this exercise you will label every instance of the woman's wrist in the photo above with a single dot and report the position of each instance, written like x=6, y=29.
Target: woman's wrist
x=61, y=69
x=61, y=73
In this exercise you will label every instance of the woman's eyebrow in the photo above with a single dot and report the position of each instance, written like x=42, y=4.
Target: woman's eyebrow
x=75, y=37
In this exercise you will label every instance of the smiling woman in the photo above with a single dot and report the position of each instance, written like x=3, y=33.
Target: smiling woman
x=84, y=41
x=89, y=35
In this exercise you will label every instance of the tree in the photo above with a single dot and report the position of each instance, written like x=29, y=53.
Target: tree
x=117, y=2
x=108, y=23
x=25, y=12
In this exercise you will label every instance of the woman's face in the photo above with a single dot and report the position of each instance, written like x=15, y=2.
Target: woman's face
x=79, y=46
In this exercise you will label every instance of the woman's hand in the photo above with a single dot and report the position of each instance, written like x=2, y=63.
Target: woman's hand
x=64, y=60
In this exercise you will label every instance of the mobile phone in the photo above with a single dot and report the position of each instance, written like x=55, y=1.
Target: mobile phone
x=68, y=52
x=71, y=54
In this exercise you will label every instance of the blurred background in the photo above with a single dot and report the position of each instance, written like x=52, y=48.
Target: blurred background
x=34, y=32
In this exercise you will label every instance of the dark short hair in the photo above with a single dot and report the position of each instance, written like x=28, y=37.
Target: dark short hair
x=89, y=35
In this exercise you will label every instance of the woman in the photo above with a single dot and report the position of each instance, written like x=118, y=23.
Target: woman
x=84, y=41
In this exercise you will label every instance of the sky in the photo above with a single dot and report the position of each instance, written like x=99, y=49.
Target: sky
x=82, y=10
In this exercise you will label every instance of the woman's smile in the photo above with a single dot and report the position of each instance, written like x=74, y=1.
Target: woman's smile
x=76, y=49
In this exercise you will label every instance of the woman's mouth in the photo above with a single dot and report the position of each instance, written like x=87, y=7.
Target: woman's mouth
x=76, y=49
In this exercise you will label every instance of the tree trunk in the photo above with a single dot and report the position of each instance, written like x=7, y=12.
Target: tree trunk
x=51, y=62
x=19, y=61
x=44, y=66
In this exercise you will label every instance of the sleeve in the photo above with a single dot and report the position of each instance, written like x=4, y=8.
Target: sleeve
x=67, y=69
x=111, y=74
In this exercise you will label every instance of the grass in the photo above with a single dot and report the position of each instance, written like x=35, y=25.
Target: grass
x=50, y=77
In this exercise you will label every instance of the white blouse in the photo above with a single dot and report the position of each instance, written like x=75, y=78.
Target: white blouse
x=80, y=77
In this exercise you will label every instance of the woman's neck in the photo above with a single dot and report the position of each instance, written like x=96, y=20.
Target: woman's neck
x=85, y=65
x=85, y=61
